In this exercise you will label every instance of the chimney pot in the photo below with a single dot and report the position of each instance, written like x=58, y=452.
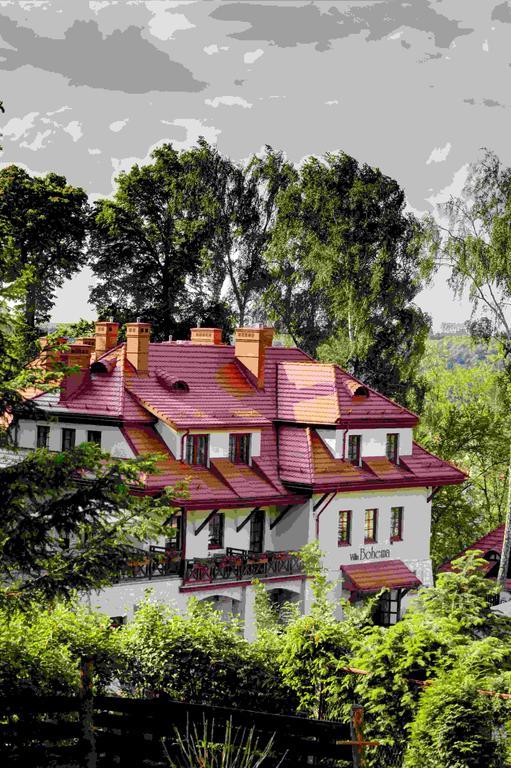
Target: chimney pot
x=137, y=345
x=210, y=336
x=250, y=349
x=106, y=336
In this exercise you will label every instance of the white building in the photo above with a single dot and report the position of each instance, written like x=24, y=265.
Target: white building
x=278, y=451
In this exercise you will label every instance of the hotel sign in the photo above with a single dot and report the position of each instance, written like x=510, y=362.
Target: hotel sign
x=370, y=554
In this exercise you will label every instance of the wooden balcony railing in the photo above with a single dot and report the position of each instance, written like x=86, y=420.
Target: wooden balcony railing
x=154, y=563
x=234, y=565
x=240, y=565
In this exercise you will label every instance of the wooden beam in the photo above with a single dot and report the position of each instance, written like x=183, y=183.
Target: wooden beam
x=320, y=501
x=205, y=522
x=433, y=493
x=245, y=521
x=279, y=517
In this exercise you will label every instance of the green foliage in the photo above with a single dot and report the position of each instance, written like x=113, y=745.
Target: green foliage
x=465, y=420
x=456, y=727
x=157, y=230
x=82, y=327
x=69, y=520
x=440, y=629
x=42, y=232
x=346, y=264
x=40, y=651
x=199, y=657
x=236, y=748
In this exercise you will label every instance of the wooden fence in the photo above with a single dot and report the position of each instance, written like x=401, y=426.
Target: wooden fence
x=39, y=732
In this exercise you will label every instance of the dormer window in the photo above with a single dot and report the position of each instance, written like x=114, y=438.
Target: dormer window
x=392, y=449
x=354, y=449
x=239, y=449
x=197, y=449
x=361, y=391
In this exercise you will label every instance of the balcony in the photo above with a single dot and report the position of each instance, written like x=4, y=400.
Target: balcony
x=241, y=565
x=234, y=565
x=157, y=562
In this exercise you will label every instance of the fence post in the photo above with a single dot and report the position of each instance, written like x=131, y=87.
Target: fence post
x=86, y=712
x=357, y=734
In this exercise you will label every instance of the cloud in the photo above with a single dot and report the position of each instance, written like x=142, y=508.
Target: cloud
x=453, y=189
x=228, y=101
x=17, y=127
x=252, y=56
x=163, y=25
x=291, y=25
x=502, y=13
x=118, y=125
x=74, y=129
x=439, y=154
x=121, y=61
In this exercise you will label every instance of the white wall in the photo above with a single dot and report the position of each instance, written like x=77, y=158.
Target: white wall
x=218, y=441
x=171, y=438
x=292, y=532
x=374, y=441
x=112, y=439
x=416, y=527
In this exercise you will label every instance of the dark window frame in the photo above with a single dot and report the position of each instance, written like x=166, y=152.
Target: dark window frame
x=392, y=447
x=91, y=439
x=388, y=607
x=195, y=452
x=371, y=528
x=68, y=432
x=257, y=531
x=396, y=523
x=239, y=447
x=344, y=528
x=216, y=531
x=355, y=456
x=176, y=541
x=43, y=429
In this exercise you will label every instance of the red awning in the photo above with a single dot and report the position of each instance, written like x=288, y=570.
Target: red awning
x=371, y=577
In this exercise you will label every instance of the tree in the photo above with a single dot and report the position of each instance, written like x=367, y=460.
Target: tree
x=465, y=420
x=245, y=202
x=200, y=658
x=476, y=245
x=346, y=263
x=156, y=231
x=42, y=234
x=68, y=521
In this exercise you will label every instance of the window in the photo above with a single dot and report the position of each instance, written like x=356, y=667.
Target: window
x=43, y=437
x=239, y=449
x=354, y=446
x=396, y=523
x=197, y=449
x=117, y=621
x=392, y=450
x=257, y=531
x=388, y=608
x=68, y=439
x=370, y=526
x=216, y=531
x=344, y=531
x=175, y=532
x=94, y=436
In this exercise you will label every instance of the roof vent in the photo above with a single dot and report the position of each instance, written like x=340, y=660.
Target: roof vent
x=356, y=388
x=174, y=385
x=180, y=386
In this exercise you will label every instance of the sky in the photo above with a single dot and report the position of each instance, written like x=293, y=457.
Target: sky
x=416, y=88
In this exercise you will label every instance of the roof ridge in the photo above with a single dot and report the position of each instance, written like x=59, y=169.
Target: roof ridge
x=375, y=391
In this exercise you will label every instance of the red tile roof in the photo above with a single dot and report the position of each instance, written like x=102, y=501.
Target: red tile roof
x=322, y=393
x=371, y=577
x=490, y=542
x=217, y=393
x=306, y=460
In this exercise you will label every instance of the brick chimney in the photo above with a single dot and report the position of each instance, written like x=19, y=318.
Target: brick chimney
x=106, y=336
x=138, y=336
x=250, y=349
x=77, y=356
x=206, y=335
x=49, y=356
